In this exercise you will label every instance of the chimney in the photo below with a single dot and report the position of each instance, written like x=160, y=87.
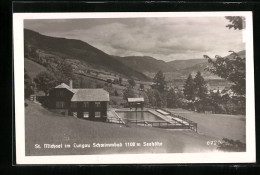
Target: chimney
x=71, y=84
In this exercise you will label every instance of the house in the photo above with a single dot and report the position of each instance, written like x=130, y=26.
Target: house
x=81, y=103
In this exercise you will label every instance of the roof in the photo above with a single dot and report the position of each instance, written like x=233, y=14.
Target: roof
x=86, y=94
x=63, y=85
x=90, y=95
x=135, y=99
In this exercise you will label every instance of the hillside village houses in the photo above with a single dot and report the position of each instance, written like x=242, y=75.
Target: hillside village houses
x=81, y=103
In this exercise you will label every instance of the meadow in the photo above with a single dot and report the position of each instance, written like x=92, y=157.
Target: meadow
x=44, y=127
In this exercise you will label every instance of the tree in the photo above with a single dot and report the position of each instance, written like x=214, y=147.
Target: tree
x=159, y=81
x=65, y=72
x=200, y=86
x=229, y=145
x=116, y=81
x=45, y=81
x=28, y=85
x=172, y=99
x=155, y=98
x=128, y=93
x=131, y=82
x=120, y=80
x=141, y=86
x=116, y=93
x=237, y=22
x=146, y=99
x=189, y=88
x=231, y=68
x=109, y=81
x=99, y=85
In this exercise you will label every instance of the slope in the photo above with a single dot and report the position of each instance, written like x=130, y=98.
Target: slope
x=76, y=49
x=32, y=67
x=43, y=126
x=144, y=63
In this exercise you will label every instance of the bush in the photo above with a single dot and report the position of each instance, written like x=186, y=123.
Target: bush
x=116, y=81
x=99, y=85
x=116, y=93
x=109, y=81
x=229, y=145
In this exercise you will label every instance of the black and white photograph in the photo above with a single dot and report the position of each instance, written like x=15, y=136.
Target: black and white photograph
x=134, y=88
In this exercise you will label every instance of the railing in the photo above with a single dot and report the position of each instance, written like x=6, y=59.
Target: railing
x=116, y=119
x=192, y=125
x=159, y=124
x=173, y=124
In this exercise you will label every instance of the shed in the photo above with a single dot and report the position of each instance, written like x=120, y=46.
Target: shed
x=136, y=102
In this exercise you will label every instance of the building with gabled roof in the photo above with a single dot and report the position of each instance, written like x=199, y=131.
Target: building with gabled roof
x=136, y=102
x=80, y=103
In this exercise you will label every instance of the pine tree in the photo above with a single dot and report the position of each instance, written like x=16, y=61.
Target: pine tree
x=172, y=99
x=189, y=88
x=200, y=86
x=159, y=81
x=155, y=98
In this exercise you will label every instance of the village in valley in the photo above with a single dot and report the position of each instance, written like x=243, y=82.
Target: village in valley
x=77, y=94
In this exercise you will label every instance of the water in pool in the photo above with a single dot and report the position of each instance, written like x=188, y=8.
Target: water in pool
x=133, y=115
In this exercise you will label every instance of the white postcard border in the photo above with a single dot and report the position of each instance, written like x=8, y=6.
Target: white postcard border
x=214, y=157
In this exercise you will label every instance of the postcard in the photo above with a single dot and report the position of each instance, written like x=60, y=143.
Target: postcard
x=134, y=88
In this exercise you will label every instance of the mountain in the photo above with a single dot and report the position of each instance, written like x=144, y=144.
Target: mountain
x=183, y=64
x=150, y=64
x=201, y=65
x=79, y=50
x=144, y=63
x=139, y=67
x=177, y=69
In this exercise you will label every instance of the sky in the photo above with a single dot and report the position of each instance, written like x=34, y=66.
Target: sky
x=167, y=38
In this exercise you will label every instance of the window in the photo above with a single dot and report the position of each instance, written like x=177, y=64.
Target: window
x=60, y=104
x=59, y=93
x=85, y=114
x=97, y=114
x=85, y=104
x=73, y=104
x=97, y=104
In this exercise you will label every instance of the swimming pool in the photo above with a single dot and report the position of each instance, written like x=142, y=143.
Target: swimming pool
x=138, y=115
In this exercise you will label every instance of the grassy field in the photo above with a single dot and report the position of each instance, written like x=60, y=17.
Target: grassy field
x=217, y=125
x=44, y=127
x=33, y=68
